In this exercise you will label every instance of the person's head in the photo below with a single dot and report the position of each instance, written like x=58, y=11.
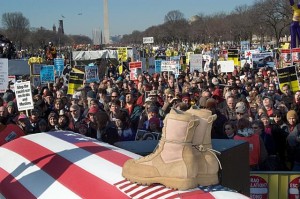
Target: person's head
x=115, y=105
x=265, y=119
x=230, y=101
x=114, y=95
x=59, y=94
x=286, y=89
x=241, y=110
x=153, y=95
x=292, y=117
x=35, y=114
x=58, y=104
x=129, y=98
x=122, y=119
x=229, y=129
x=297, y=96
x=277, y=117
x=75, y=111
x=52, y=119
x=3, y=111
x=267, y=102
x=11, y=107
x=42, y=125
x=243, y=123
x=94, y=86
x=91, y=113
x=101, y=119
x=63, y=120
x=258, y=126
x=152, y=111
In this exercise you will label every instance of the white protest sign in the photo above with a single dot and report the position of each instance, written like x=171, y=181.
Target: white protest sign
x=148, y=40
x=170, y=66
x=207, y=59
x=196, y=62
x=226, y=66
x=3, y=74
x=91, y=73
x=24, y=95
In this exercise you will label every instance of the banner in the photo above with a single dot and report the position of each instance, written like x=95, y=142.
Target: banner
x=91, y=74
x=75, y=81
x=47, y=74
x=245, y=45
x=24, y=95
x=196, y=62
x=288, y=75
x=226, y=66
x=3, y=74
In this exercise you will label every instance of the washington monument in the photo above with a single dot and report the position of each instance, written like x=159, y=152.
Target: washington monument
x=106, y=23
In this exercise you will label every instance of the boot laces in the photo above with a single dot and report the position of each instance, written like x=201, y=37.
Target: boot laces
x=201, y=148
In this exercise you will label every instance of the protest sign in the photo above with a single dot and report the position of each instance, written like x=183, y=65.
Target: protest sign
x=75, y=81
x=288, y=75
x=158, y=66
x=135, y=69
x=170, y=66
x=122, y=54
x=91, y=73
x=24, y=95
x=196, y=62
x=3, y=74
x=47, y=74
x=59, y=66
x=226, y=66
x=148, y=40
x=262, y=60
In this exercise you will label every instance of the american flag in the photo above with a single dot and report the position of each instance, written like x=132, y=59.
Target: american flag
x=67, y=165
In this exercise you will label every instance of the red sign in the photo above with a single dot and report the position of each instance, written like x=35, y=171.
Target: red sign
x=294, y=188
x=259, y=188
x=296, y=54
x=137, y=64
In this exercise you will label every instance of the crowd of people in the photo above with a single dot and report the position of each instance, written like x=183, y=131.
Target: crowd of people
x=252, y=108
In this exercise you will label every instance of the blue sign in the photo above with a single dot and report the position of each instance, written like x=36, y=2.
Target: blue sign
x=47, y=74
x=59, y=65
x=91, y=73
x=158, y=66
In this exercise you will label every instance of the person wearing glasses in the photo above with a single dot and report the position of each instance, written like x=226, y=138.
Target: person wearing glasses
x=75, y=117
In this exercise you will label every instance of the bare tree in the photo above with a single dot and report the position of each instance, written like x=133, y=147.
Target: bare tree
x=173, y=16
x=17, y=27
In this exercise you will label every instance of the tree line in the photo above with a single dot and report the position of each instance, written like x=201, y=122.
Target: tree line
x=267, y=19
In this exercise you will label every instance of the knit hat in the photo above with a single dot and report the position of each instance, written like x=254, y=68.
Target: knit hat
x=240, y=107
x=93, y=110
x=11, y=103
x=292, y=114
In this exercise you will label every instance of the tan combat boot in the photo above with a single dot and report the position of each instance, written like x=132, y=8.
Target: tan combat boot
x=173, y=163
x=208, y=163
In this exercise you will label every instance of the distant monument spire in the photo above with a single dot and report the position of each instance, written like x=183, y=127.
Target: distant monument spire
x=106, y=24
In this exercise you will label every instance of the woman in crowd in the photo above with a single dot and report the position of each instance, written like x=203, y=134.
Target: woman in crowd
x=229, y=130
x=257, y=150
x=293, y=140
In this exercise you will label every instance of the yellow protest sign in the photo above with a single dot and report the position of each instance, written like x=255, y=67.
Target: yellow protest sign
x=122, y=54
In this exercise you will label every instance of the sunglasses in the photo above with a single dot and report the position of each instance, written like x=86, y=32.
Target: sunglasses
x=170, y=97
x=254, y=127
x=240, y=113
